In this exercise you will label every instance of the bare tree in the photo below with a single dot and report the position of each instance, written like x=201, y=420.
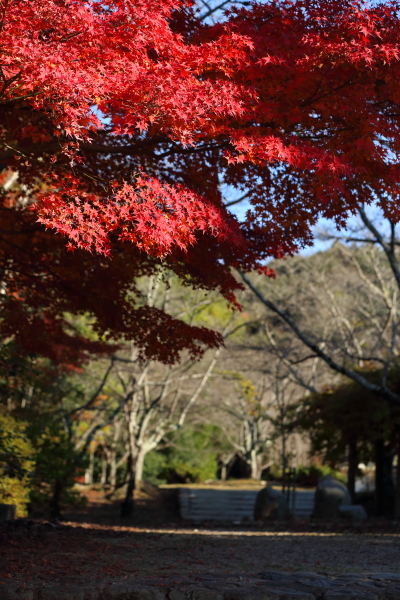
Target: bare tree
x=346, y=316
x=156, y=398
x=248, y=408
x=263, y=415
x=159, y=401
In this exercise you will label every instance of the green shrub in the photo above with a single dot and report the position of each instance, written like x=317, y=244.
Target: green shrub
x=58, y=464
x=154, y=468
x=274, y=473
x=309, y=476
x=191, y=458
x=189, y=472
x=16, y=463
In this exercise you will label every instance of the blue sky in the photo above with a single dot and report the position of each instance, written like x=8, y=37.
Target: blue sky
x=323, y=224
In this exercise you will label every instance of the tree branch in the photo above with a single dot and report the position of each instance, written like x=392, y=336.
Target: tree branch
x=382, y=390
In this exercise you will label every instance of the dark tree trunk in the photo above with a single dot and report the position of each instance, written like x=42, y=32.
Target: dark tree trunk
x=127, y=506
x=352, y=466
x=397, y=491
x=389, y=489
x=55, y=506
x=379, y=478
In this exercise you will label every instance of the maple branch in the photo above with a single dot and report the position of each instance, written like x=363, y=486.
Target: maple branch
x=311, y=100
x=120, y=149
x=17, y=98
x=128, y=150
x=56, y=146
x=382, y=390
x=13, y=150
x=70, y=36
x=3, y=16
x=45, y=268
x=213, y=9
x=195, y=150
x=142, y=146
x=246, y=195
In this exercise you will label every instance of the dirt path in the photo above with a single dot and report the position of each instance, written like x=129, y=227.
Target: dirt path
x=82, y=552
x=96, y=545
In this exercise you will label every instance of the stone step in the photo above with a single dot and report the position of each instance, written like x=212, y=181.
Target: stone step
x=232, y=505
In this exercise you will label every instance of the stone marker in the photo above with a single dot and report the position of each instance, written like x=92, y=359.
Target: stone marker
x=329, y=495
x=270, y=504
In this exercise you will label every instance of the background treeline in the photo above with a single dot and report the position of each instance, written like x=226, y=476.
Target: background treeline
x=308, y=375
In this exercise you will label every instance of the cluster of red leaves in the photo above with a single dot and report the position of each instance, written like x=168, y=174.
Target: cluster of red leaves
x=154, y=216
x=44, y=281
x=125, y=120
x=65, y=56
x=326, y=123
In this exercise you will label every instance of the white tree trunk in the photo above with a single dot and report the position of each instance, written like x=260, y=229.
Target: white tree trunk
x=104, y=465
x=139, y=467
x=113, y=468
x=255, y=465
x=90, y=469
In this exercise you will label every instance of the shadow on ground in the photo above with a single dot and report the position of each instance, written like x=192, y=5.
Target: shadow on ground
x=95, y=544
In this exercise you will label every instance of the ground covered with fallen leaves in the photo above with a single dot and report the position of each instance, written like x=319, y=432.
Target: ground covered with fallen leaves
x=92, y=547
